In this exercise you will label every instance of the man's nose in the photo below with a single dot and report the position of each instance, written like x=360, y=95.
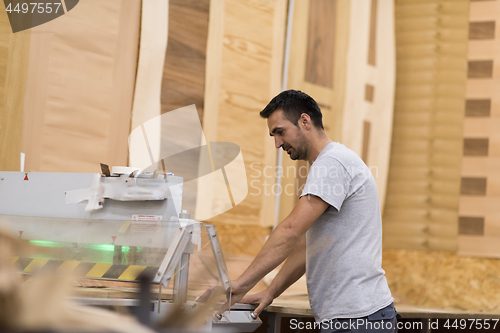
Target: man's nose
x=278, y=142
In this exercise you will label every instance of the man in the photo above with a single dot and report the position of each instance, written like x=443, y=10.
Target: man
x=338, y=213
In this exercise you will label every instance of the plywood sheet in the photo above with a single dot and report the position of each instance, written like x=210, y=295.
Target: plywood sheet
x=13, y=70
x=370, y=82
x=183, y=80
x=321, y=43
x=242, y=76
x=79, y=89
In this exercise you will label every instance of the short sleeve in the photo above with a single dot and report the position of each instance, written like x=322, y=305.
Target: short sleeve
x=329, y=180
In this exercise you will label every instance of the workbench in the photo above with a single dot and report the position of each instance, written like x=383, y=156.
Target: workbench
x=285, y=307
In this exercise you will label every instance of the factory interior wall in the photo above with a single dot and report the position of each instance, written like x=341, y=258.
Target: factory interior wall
x=421, y=209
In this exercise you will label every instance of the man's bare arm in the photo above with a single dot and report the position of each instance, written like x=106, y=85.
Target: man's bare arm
x=292, y=270
x=283, y=240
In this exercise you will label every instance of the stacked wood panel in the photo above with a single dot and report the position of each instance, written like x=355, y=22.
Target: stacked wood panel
x=479, y=220
x=421, y=210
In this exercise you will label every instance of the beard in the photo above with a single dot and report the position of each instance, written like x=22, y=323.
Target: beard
x=300, y=149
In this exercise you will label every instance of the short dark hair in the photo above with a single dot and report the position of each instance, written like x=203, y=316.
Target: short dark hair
x=294, y=103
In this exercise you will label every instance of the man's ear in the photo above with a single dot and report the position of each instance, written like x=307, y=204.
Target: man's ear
x=305, y=121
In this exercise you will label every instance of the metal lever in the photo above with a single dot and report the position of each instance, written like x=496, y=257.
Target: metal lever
x=219, y=257
x=173, y=256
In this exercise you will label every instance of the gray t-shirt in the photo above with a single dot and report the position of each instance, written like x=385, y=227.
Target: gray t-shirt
x=344, y=245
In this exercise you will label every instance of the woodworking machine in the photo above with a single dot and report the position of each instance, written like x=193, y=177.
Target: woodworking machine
x=113, y=228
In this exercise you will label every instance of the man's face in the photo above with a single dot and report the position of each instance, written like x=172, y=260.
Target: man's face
x=287, y=135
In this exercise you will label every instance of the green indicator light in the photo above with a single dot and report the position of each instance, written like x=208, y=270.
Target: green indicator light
x=101, y=247
x=46, y=243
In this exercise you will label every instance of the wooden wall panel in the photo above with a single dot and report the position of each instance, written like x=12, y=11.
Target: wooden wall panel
x=14, y=51
x=363, y=81
x=321, y=43
x=302, y=63
x=80, y=85
x=480, y=187
x=183, y=80
x=243, y=72
x=369, y=96
x=184, y=70
x=427, y=141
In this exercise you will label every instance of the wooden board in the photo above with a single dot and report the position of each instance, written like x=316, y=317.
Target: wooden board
x=243, y=72
x=369, y=95
x=79, y=90
x=13, y=71
x=183, y=81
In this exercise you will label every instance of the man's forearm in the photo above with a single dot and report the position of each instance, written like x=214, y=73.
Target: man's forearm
x=283, y=240
x=292, y=270
x=278, y=247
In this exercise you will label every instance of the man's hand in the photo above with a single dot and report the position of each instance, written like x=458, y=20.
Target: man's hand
x=263, y=299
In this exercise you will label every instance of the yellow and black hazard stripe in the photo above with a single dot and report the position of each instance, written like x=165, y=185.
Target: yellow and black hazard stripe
x=86, y=269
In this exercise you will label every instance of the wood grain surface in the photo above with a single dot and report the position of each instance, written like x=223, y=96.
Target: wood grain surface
x=80, y=86
x=321, y=42
x=482, y=30
x=243, y=73
x=471, y=226
x=183, y=80
x=476, y=147
x=372, y=39
x=14, y=52
x=480, y=69
x=427, y=141
x=477, y=107
x=480, y=186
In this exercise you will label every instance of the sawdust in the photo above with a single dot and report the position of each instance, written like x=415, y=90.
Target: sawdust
x=443, y=280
